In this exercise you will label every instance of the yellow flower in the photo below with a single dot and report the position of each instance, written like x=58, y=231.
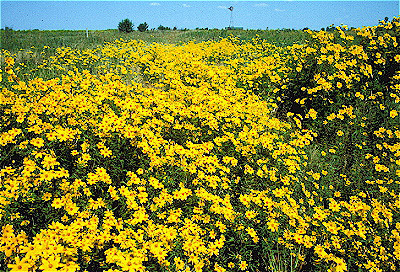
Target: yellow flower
x=334, y=206
x=50, y=264
x=57, y=203
x=316, y=176
x=320, y=251
x=105, y=152
x=20, y=265
x=251, y=214
x=332, y=227
x=380, y=168
x=38, y=142
x=218, y=268
x=86, y=157
x=179, y=264
x=248, y=169
x=243, y=265
x=9, y=61
x=46, y=196
x=49, y=162
x=273, y=225
x=251, y=232
x=312, y=113
x=393, y=113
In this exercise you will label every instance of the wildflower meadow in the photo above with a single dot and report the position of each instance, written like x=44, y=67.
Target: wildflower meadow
x=222, y=155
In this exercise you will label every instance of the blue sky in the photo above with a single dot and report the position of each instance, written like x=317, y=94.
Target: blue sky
x=97, y=15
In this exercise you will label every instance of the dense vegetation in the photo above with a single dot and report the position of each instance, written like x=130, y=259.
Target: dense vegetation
x=15, y=40
x=225, y=154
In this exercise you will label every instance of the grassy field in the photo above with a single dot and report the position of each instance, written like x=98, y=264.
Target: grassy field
x=200, y=150
x=16, y=40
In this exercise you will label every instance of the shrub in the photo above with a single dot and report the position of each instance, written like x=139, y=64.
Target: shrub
x=143, y=27
x=125, y=26
x=163, y=28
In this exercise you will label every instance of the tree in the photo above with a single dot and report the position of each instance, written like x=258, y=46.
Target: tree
x=161, y=27
x=125, y=26
x=143, y=27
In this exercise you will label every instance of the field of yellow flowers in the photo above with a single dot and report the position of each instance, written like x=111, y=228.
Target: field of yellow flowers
x=225, y=155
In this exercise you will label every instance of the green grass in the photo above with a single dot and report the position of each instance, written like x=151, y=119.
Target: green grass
x=13, y=41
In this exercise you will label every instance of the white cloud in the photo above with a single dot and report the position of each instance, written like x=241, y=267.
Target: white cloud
x=154, y=4
x=186, y=6
x=279, y=10
x=261, y=5
x=222, y=7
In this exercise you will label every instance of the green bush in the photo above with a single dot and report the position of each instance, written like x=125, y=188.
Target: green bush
x=125, y=26
x=161, y=27
x=143, y=27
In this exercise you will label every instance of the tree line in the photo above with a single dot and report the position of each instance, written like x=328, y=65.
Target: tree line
x=126, y=26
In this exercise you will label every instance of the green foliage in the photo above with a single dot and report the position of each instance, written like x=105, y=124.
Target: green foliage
x=163, y=28
x=126, y=26
x=143, y=27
